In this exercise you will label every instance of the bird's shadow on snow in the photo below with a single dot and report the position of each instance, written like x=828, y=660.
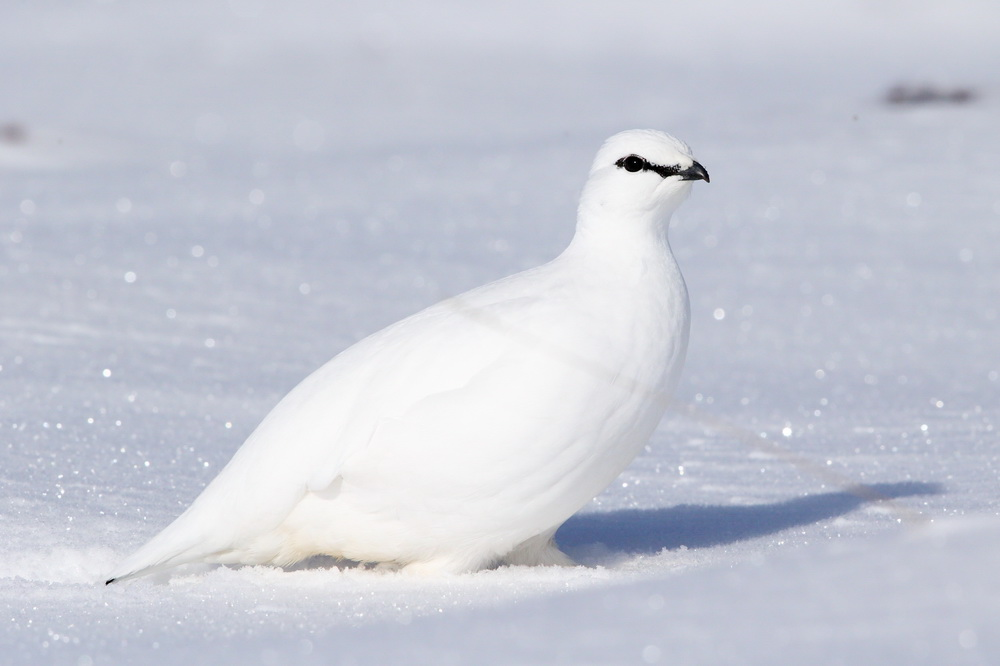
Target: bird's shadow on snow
x=649, y=531
x=602, y=538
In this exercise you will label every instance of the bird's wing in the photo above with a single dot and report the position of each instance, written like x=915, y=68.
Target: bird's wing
x=515, y=430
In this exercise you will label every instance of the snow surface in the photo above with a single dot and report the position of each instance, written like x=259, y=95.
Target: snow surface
x=200, y=202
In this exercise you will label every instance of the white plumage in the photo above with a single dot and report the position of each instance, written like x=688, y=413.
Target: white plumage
x=464, y=435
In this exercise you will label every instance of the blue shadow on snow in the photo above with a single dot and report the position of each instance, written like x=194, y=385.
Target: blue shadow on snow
x=696, y=526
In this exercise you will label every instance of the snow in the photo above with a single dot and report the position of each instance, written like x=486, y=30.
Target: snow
x=202, y=202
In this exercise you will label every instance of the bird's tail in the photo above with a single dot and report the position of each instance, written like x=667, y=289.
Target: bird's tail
x=182, y=542
x=141, y=563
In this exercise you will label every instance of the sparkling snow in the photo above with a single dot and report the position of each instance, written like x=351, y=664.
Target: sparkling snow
x=200, y=202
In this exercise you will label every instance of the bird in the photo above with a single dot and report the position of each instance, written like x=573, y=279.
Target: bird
x=461, y=437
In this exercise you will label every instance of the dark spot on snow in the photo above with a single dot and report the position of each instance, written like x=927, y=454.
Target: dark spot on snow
x=907, y=94
x=13, y=133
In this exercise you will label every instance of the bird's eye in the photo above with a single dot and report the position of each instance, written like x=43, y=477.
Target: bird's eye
x=633, y=163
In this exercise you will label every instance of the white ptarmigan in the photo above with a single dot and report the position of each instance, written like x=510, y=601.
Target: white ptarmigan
x=464, y=435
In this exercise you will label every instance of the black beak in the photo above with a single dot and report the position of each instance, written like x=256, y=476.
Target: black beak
x=695, y=172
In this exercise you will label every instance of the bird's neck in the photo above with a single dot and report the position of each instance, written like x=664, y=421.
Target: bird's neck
x=624, y=229
x=622, y=239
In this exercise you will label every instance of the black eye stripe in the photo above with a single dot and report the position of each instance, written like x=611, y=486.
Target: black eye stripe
x=635, y=163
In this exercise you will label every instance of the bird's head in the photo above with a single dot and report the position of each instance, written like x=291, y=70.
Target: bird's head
x=640, y=173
